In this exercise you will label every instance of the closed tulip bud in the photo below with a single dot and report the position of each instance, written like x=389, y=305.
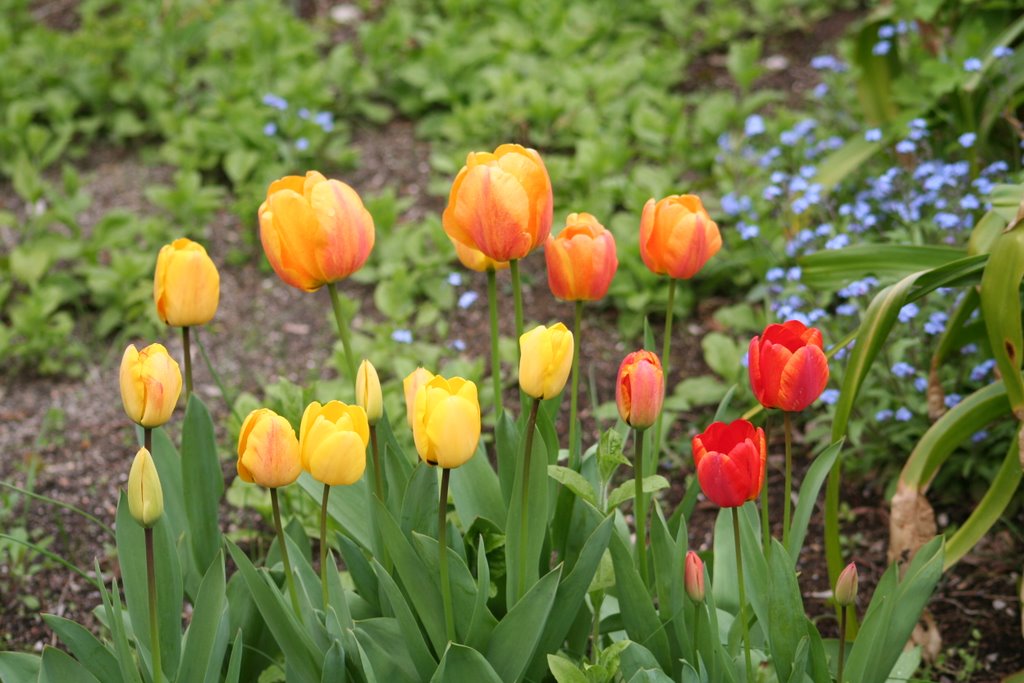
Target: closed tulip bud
x=640, y=389
x=150, y=384
x=368, y=394
x=694, y=577
x=677, y=236
x=145, y=496
x=846, y=586
x=332, y=442
x=314, y=231
x=474, y=259
x=186, y=284
x=730, y=460
x=268, y=451
x=410, y=386
x=501, y=204
x=581, y=259
x=788, y=367
x=446, y=426
x=545, y=358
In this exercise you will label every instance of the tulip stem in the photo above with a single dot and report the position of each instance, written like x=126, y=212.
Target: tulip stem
x=154, y=632
x=492, y=302
x=517, y=293
x=696, y=629
x=442, y=554
x=842, y=642
x=284, y=553
x=574, y=457
x=531, y=425
x=343, y=332
x=147, y=439
x=788, y=488
x=596, y=598
x=640, y=505
x=666, y=350
x=378, y=475
x=186, y=342
x=743, y=591
x=323, y=547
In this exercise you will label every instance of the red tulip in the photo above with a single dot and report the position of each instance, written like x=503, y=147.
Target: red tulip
x=640, y=389
x=693, y=577
x=730, y=461
x=787, y=364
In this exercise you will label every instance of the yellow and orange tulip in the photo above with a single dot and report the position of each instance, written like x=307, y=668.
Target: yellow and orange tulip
x=474, y=259
x=145, y=495
x=677, y=236
x=268, y=450
x=581, y=259
x=410, y=386
x=150, y=384
x=545, y=358
x=186, y=284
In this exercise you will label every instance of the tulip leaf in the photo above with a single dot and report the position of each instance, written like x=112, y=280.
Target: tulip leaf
x=19, y=666
x=810, y=487
x=479, y=628
x=668, y=567
x=419, y=507
x=834, y=268
x=565, y=671
x=506, y=441
x=348, y=511
x=380, y=641
x=95, y=656
x=574, y=481
x=477, y=491
x=201, y=652
x=235, y=663
x=202, y=482
x=57, y=666
x=609, y=454
x=523, y=553
x=639, y=664
x=515, y=638
x=359, y=570
x=638, y=616
x=115, y=622
x=461, y=663
x=787, y=625
x=1000, y=307
x=626, y=490
x=334, y=664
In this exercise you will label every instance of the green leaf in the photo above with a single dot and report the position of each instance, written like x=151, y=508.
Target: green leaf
x=477, y=492
x=380, y=642
x=509, y=452
x=722, y=354
x=96, y=657
x=626, y=490
x=523, y=552
x=609, y=454
x=787, y=625
x=115, y=621
x=200, y=654
x=235, y=663
x=461, y=664
x=481, y=624
x=810, y=487
x=638, y=615
x=419, y=505
x=57, y=666
x=1000, y=306
x=412, y=636
x=16, y=667
x=574, y=481
x=202, y=482
x=334, y=664
x=565, y=671
x=836, y=267
x=348, y=511
x=515, y=638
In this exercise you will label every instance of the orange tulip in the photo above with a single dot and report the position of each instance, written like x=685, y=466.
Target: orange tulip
x=730, y=460
x=581, y=260
x=501, y=203
x=693, y=576
x=788, y=367
x=677, y=236
x=474, y=259
x=314, y=230
x=640, y=389
x=268, y=450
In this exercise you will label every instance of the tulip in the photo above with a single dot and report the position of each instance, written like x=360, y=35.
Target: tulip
x=677, y=236
x=730, y=460
x=501, y=203
x=145, y=496
x=474, y=259
x=332, y=442
x=410, y=386
x=368, y=393
x=314, y=231
x=186, y=285
x=640, y=389
x=150, y=385
x=788, y=367
x=268, y=451
x=446, y=424
x=846, y=586
x=545, y=358
x=581, y=259
x=693, y=577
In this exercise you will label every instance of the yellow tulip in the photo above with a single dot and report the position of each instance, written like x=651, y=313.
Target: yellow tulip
x=145, y=496
x=410, y=385
x=268, y=450
x=545, y=358
x=474, y=259
x=332, y=442
x=368, y=394
x=150, y=384
x=186, y=284
x=446, y=426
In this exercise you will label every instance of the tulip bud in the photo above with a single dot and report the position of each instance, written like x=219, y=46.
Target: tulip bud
x=846, y=586
x=694, y=577
x=787, y=365
x=446, y=424
x=186, y=285
x=410, y=385
x=677, y=236
x=581, y=260
x=640, y=389
x=730, y=460
x=368, y=394
x=314, y=231
x=268, y=450
x=145, y=496
x=545, y=358
x=501, y=203
x=150, y=384
x=332, y=442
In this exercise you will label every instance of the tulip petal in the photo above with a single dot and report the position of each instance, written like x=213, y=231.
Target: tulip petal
x=803, y=378
x=495, y=209
x=722, y=481
x=339, y=459
x=454, y=431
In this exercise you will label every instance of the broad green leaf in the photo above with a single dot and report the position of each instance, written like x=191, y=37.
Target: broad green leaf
x=419, y=507
x=626, y=490
x=348, y=511
x=787, y=625
x=334, y=665
x=1000, y=306
x=359, y=569
x=509, y=452
x=202, y=482
x=462, y=664
x=638, y=615
x=809, y=490
x=835, y=267
x=95, y=656
x=380, y=641
x=516, y=636
x=565, y=671
x=668, y=567
x=574, y=481
x=16, y=667
x=477, y=491
x=522, y=552
x=639, y=664
x=412, y=636
x=57, y=666
x=199, y=653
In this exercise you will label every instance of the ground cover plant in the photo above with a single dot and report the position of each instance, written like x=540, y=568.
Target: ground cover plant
x=850, y=195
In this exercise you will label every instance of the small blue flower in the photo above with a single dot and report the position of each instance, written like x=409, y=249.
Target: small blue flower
x=886, y=31
x=969, y=202
x=774, y=274
x=771, y=192
x=972, y=64
x=908, y=312
x=302, y=144
x=827, y=63
x=793, y=274
x=1002, y=51
x=454, y=279
x=980, y=371
x=325, y=120
x=467, y=298
x=968, y=349
x=903, y=414
x=979, y=436
x=275, y=101
x=816, y=315
x=921, y=384
x=270, y=129
x=947, y=220
x=903, y=370
x=918, y=124
x=936, y=323
x=837, y=242
x=830, y=396
x=749, y=232
x=951, y=400
x=846, y=309
x=883, y=415
x=906, y=147
x=754, y=125
x=303, y=113
x=820, y=90
x=995, y=167
x=789, y=138
x=881, y=48
x=402, y=336
x=967, y=140
x=458, y=345
x=873, y=135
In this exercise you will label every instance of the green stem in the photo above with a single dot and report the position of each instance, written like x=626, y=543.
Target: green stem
x=531, y=425
x=787, y=501
x=833, y=553
x=378, y=475
x=743, y=592
x=492, y=302
x=666, y=351
x=154, y=632
x=284, y=554
x=696, y=630
x=323, y=547
x=147, y=439
x=640, y=505
x=217, y=379
x=346, y=340
x=517, y=293
x=842, y=642
x=574, y=455
x=186, y=343
x=596, y=598
x=766, y=525
x=442, y=557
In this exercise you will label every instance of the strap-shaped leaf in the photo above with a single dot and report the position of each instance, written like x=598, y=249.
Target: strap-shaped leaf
x=93, y=654
x=58, y=666
x=461, y=663
x=202, y=483
x=515, y=638
x=477, y=491
x=1000, y=306
x=810, y=487
x=835, y=267
x=202, y=653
